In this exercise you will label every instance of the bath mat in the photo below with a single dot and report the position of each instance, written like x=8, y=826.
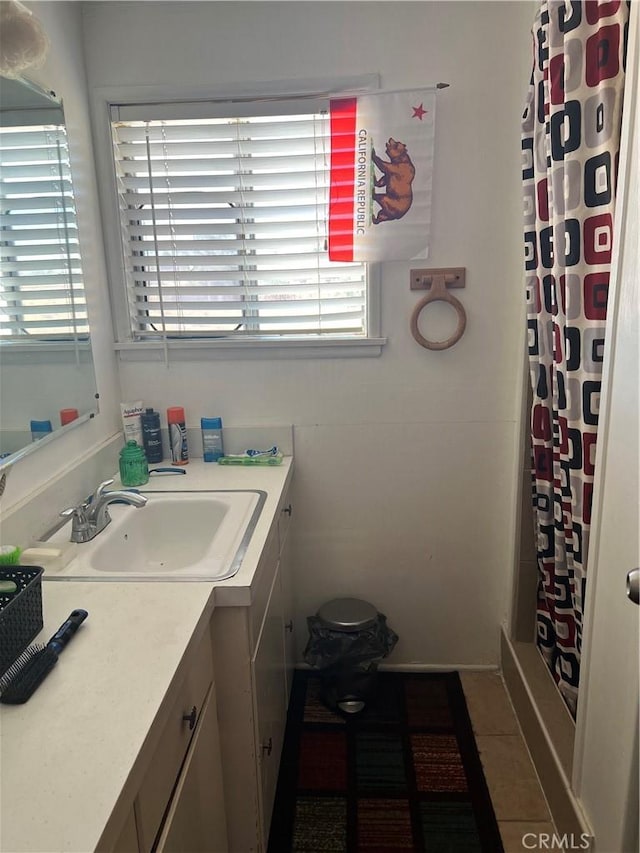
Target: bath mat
x=404, y=775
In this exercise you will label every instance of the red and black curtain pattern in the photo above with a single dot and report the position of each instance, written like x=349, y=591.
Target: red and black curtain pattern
x=570, y=141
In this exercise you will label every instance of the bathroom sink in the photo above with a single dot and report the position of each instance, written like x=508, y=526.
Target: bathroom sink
x=175, y=536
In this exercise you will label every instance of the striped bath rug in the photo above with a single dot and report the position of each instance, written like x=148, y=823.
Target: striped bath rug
x=403, y=775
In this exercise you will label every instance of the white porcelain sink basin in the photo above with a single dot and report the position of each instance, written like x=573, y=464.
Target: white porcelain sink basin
x=176, y=535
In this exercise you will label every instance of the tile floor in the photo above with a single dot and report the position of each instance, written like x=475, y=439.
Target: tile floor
x=517, y=797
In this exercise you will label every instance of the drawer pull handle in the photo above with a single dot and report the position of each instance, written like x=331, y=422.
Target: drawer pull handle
x=288, y=509
x=190, y=718
x=268, y=747
x=289, y=626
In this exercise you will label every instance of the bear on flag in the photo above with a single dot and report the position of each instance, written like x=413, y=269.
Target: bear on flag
x=380, y=175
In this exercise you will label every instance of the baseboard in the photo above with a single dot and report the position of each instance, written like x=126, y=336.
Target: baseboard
x=426, y=667
x=432, y=667
x=548, y=730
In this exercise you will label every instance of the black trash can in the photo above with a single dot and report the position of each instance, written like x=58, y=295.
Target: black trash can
x=347, y=640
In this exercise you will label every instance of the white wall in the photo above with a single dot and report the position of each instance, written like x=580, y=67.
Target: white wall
x=64, y=73
x=405, y=465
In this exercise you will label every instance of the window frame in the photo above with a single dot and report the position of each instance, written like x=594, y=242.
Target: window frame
x=129, y=349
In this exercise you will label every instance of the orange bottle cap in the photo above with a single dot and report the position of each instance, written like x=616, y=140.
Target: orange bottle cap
x=68, y=415
x=175, y=415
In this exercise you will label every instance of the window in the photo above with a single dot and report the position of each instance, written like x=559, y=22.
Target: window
x=41, y=290
x=224, y=224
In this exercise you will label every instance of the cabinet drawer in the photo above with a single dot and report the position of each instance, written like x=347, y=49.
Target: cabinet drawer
x=160, y=778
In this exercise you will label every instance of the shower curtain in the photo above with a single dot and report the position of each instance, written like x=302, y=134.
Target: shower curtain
x=570, y=140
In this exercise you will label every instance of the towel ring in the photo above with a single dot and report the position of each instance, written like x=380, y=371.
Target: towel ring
x=439, y=293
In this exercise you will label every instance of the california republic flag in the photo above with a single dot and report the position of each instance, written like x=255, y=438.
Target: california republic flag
x=380, y=181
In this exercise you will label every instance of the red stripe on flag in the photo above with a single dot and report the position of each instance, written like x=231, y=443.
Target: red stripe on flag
x=341, y=184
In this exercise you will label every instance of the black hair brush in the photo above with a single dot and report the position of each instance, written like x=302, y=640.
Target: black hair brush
x=28, y=672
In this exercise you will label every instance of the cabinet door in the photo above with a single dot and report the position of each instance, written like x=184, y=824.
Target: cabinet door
x=177, y=733
x=196, y=820
x=127, y=841
x=286, y=581
x=269, y=701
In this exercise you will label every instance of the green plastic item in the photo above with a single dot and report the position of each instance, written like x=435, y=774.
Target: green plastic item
x=134, y=469
x=250, y=460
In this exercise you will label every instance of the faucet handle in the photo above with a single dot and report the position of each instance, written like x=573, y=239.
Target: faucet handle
x=79, y=523
x=101, y=489
x=78, y=512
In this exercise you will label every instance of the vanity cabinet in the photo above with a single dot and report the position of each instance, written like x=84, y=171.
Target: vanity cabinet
x=269, y=707
x=174, y=742
x=196, y=818
x=253, y=658
x=286, y=580
x=127, y=839
x=179, y=804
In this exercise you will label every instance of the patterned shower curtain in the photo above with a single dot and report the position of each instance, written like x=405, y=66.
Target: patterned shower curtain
x=570, y=140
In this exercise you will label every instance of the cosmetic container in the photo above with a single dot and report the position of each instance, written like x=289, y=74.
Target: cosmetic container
x=39, y=429
x=212, y=448
x=131, y=425
x=177, y=435
x=134, y=470
x=67, y=415
x=151, y=435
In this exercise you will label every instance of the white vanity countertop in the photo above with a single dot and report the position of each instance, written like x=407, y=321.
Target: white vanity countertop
x=67, y=754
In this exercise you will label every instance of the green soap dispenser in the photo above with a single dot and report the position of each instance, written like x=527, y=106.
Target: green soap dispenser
x=134, y=470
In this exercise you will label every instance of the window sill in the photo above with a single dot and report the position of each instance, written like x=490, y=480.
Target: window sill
x=248, y=349
x=44, y=352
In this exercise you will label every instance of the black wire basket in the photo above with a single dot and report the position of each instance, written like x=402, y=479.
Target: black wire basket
x=20, y=612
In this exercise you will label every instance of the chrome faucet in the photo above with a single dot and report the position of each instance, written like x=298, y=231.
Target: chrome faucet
x=91, y=517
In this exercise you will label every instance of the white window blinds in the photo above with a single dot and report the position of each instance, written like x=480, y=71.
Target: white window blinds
x=41, y=289
x=224, y=223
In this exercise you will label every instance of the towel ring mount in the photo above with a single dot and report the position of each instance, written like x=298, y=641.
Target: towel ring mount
x=438, y=281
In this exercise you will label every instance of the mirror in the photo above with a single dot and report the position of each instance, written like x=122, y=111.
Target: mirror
x=47, y=380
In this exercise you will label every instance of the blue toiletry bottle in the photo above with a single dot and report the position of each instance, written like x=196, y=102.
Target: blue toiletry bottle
x=151, y=435
x=212, y=448
x=39, y=429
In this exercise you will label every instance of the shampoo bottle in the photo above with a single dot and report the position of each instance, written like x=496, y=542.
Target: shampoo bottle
x=211, y=439
x=151, y=435
x=177, y=435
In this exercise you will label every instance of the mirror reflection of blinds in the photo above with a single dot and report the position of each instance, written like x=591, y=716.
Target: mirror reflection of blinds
x=41, y=289
x=224, y=226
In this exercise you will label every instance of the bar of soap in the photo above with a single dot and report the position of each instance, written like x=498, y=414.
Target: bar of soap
x=53, y=559
x=32, y=556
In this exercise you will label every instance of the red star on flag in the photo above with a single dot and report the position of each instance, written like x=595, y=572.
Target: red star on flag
x=419, y=112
